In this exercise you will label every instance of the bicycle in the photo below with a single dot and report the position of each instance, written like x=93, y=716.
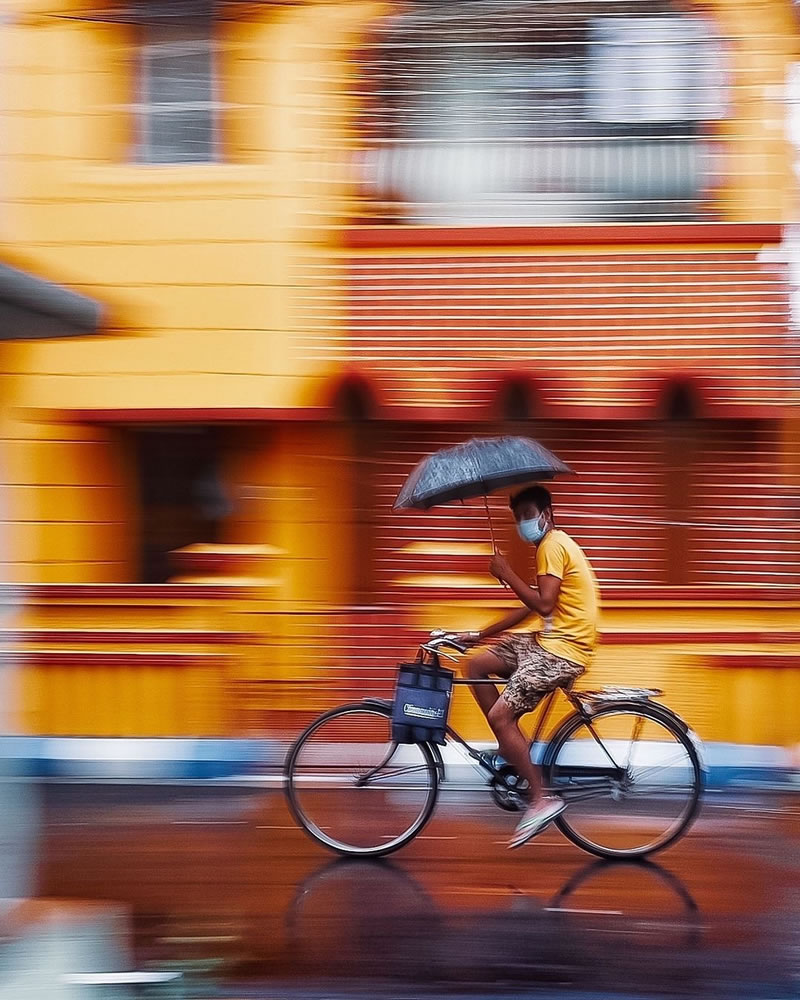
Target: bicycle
x=357, y=792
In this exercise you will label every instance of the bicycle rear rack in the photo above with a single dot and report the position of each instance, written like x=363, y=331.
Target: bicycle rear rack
x=612, y=693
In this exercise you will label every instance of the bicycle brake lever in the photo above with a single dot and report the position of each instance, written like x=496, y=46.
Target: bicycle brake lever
x=439, y=652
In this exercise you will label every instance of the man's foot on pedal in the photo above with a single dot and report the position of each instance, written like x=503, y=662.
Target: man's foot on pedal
x=536, y=819
x=492, y=759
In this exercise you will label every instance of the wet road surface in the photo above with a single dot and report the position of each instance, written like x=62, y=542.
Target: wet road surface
x=224, y=887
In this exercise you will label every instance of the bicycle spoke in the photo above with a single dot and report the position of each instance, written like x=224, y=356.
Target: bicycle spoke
x=657, y=789
x=586, y=786
x=661, y=765
x=388, y=756
x=384, y=775
x=637, y=730
x=602, y=745
x=584, y=795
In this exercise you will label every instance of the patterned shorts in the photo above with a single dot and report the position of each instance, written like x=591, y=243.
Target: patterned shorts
x=534, y=671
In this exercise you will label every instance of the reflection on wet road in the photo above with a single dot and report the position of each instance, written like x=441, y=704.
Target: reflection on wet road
x=225, y=888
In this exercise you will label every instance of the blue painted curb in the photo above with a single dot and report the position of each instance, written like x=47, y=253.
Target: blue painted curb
x=728, y=764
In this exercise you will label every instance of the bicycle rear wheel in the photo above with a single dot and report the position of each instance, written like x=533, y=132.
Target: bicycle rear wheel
x=631, y=777
x=353, y=789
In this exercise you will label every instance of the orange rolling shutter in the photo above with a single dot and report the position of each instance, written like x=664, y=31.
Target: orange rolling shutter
x=746, y=509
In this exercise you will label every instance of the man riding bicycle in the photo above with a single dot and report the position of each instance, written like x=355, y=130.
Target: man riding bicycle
x=566, y=596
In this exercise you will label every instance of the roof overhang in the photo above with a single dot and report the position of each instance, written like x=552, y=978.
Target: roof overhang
x=34, y=309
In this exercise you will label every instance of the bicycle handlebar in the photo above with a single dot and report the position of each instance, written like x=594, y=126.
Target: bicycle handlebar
x=441, y=638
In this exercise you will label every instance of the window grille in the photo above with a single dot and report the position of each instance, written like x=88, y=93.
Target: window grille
x=476, y=111
x=177, y=113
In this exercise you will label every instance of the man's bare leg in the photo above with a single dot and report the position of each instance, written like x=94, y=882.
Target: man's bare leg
x=515, y=748
x=512, y=744
x=482, y=667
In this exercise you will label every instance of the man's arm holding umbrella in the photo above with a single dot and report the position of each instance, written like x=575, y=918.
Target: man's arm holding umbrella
x=539, y=600
x=476, y=468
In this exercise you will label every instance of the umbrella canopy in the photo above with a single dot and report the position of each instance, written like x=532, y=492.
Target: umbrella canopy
x=476, y=468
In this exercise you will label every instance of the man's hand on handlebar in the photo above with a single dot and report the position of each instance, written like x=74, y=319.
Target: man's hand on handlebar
x=468, y=639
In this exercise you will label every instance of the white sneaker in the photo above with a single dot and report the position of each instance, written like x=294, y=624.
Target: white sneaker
x=536, y=819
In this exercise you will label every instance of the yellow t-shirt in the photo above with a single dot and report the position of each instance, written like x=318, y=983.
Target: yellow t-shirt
x=571, y=632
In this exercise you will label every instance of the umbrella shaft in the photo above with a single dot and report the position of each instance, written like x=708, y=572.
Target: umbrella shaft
x=491, y=528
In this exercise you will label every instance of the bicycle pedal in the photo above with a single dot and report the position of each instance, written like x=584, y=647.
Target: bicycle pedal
x=492, y=759
x=505, y=787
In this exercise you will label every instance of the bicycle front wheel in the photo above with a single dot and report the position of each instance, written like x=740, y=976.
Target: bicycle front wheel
x=353, y=789
x=631, y=778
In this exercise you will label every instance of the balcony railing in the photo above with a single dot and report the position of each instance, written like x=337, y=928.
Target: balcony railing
x=519, y=181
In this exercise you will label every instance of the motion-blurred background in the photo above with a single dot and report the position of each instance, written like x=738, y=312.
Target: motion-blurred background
x=308, y=244
x=258, y=258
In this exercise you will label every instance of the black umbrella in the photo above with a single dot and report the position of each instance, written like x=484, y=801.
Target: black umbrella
x=476, y=468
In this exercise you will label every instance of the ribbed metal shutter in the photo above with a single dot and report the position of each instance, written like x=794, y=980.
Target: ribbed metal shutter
x=595, y=333
x=615, y=504
x=746, y=508
x=482, y=114
x=593, y=329
x=739, y=523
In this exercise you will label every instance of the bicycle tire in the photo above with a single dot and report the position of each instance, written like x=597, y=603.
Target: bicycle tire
x=291, y=783
x=657, y=715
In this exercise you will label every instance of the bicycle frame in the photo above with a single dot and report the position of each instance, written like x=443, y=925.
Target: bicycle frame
x=604, y=774
x=456, y=737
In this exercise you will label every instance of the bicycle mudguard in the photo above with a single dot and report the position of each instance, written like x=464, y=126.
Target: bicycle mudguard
x=665, y=714
x=593, y=707
x=378, y=702
x=439, y=759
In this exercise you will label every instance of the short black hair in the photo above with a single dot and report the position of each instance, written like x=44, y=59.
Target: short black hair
x=533, y=494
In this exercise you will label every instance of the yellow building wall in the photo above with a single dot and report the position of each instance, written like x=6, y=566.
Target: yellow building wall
x=198, y=267
x=194, y=263
x=236, y=663
x=758, y=184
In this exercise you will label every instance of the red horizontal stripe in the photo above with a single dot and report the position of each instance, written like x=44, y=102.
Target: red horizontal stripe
x=700, y=595
x=585, y=234
x=109, y=658
x=151, y=594
x=194, y=415
x=759, y=661
x=689, y=637
x=483, y=411
x=124, y=636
